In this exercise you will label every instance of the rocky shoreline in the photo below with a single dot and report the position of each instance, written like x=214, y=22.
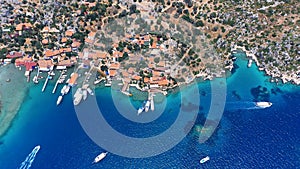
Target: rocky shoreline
x=285, y=77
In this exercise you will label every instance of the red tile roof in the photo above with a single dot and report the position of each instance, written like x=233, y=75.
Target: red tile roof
x=14, y=55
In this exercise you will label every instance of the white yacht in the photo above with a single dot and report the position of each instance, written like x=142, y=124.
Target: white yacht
x=30, y=158
x=59, y=99
x=63, y=90
x=35, y=79
x=205, y=159
x=147, y=105
x=77, y=96
x=100, y=157
x=84, y=93
x=142, y=108
x=90, y=91
x=67, y=89
x=263, y=104
x=249, y=63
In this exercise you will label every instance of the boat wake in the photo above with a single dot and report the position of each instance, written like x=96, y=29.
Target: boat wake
x=242, y=105
x=30, y=158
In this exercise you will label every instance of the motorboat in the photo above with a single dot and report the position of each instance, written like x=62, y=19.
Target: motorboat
x=263, y=104
x=205, y=159
x=147, y=105
x=59, y=99
x=100, y=157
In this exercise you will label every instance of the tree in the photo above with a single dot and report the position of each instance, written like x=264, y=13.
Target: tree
x=199, y=23
x=3, y=53
x=156, y=60
x=133, y=9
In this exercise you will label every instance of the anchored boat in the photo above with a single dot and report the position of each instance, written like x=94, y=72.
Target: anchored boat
x=59, y=99
x=147, y=105
x=77, y=96
x=205, y=159
x=263, y=104
x=100, y=157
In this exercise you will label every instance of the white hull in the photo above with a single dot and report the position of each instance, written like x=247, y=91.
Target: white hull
x=77, y=96
x=263, y=104
x=63, y=90
x=84, y=93
x=147, y=106
x=59, y=99
x=205, y=159
x=100, y=157
x=35, y=79
x=140, y=110
x=67, y=89
x=249, y=63
x=90, y=91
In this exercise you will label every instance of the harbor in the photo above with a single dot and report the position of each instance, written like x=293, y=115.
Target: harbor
x=149, y=103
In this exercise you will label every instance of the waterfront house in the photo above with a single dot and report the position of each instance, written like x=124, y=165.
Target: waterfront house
x=69, y=33
x=14, y=54
x=45, y=65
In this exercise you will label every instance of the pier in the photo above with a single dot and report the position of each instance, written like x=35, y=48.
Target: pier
x=57, y=82
x=45, y=84
x=151, y=101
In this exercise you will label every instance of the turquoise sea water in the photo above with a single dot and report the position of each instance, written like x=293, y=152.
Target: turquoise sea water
x=245, y=138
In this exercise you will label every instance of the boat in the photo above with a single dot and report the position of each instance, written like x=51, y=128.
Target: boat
x=63, y=90
x=52, y=73
x=249, y=63
x=126, y=93
x=84, y=92
x=141, y=109
x=59, y=99
x=67, y=89
x=35, y=79
x=90, y=91
x=107, y=84
x=100, y=157
x=147, y=105
x=77, y=96
x=205, y=159
x=97, y=81
x=36, y=149
x=263, y=104
x=30, y=158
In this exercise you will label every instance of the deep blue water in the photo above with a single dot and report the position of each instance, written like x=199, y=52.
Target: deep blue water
x=245, y=137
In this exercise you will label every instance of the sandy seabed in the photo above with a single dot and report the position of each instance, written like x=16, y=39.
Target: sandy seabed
x=12, y=94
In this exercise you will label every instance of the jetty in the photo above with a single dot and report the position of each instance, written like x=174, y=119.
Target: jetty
x=45, y=84
x=59, y=80
x=151, y=101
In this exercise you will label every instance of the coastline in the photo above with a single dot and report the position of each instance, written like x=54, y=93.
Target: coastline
x=12, y=95
x=9, y=107
x=285, y=78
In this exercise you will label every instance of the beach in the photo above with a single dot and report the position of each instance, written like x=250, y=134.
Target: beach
x=12, y=94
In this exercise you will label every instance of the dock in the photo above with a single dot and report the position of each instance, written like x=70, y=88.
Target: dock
x=36, y=77
x=45, y=84
x=151, y=101
x=57, y=82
